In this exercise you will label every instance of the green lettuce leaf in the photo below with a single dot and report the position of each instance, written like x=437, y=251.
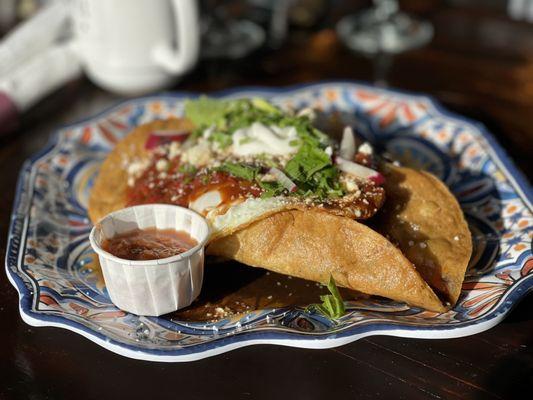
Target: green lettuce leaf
x=205, y=111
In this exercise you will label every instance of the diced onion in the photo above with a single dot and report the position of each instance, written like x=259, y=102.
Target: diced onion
x=360, y=171
x=283, y=179
x=347, y=148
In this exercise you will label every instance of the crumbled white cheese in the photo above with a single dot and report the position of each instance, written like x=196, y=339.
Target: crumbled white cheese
x=198, y=155
x=161, y=165
x=135, y=168
x=174, y=150
x=351, y=186
x=220, y=312
x=365, y=148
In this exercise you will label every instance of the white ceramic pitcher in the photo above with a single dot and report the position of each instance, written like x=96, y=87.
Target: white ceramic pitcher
x=136, y=46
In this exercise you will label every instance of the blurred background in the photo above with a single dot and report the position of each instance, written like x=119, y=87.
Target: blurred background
x=62, y=60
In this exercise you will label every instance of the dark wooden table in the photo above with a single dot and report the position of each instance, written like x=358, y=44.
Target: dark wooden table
x=479, y=64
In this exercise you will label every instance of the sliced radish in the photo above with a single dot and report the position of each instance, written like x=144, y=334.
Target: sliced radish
x=359, y=171
x=160, y=137
x=347, y=149
x=283, y=179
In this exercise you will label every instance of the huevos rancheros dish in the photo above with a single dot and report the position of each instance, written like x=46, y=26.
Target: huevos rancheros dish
x=280, y=194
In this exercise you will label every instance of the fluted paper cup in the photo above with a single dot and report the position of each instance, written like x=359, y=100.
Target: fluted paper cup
x=152, y=287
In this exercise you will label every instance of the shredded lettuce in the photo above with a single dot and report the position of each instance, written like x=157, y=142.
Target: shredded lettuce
x=264, y=105
x=205, y=111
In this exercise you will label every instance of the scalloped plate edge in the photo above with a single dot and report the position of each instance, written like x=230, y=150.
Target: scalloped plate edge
x=496, y=315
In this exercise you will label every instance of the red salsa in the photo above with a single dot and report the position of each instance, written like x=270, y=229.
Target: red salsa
x=180, y=187
x=149, y=244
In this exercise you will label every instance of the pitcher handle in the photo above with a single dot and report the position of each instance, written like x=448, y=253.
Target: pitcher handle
x=184, y=56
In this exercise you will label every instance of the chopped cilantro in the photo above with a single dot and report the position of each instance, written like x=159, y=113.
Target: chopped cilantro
x=332, y=304
x=271, y=189
x=306, y=162
x=204, y=179
x=312, y=170
x=240, y=170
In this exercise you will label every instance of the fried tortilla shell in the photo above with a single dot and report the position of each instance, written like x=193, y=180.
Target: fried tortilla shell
x=421, y=217
x=109, y=191
x=425, y=220
x=314, y=245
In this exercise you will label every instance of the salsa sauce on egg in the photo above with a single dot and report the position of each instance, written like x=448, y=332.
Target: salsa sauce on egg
x=183, y=185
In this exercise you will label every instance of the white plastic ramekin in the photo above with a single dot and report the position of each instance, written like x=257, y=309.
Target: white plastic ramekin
x=153, y=287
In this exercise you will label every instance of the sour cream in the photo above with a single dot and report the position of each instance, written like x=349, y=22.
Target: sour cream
x=261, y=139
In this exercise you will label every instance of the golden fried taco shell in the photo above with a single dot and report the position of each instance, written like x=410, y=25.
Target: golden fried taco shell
x=314, y=245
x=425, y=220
x=109, y=191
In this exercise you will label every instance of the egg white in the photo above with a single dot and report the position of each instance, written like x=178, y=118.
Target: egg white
x=227, y=218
